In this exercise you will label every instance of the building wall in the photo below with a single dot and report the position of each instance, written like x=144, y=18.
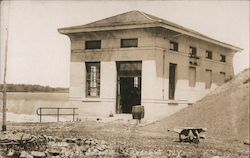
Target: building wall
x=153, y=51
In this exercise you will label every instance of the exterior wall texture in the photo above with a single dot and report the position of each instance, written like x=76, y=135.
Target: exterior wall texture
x=153, y=51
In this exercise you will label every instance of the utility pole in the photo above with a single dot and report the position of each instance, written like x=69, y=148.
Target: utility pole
x=4, y=84
x=5, y=72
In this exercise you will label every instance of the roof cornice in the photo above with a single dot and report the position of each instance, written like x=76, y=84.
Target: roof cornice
x=70, y=30
x=202, y=37
x=151, y=21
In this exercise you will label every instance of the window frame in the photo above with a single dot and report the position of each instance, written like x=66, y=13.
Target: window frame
x=175, y=46
x=93, y=83
x=122, y=45
x=224, y=77
x=87, y=47
x=193, y=53
x=223, y=58
x=209, y=54
x=192, y=84
x=208, y=85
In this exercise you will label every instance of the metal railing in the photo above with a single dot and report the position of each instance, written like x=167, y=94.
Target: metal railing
x=43, y=111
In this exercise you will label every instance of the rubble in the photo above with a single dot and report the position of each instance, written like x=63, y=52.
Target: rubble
x=18, y=144
x=131, y=152
x=25, y=154
x=38, y=154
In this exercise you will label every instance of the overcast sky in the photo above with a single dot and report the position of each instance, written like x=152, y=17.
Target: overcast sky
x=38, y=54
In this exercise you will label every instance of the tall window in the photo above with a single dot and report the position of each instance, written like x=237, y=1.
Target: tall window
x=208, y=77
x=192, y=76
x=96, y=44
x=93, y=79
x=222, y=58
x=172, y=80
x=209, y=54
x=222, y=77
x=192, y=51
x=173, y=46
x=132, y=42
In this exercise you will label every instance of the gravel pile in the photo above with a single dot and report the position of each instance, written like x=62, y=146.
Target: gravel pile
x=224, y=112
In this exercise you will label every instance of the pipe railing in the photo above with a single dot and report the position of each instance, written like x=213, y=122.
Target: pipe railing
x=43, y=111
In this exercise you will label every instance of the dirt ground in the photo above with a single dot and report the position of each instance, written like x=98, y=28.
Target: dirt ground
x=227, y=121
x=224, y=111
x=132, y=136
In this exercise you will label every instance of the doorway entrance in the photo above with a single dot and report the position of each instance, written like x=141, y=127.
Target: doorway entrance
x=128, y=85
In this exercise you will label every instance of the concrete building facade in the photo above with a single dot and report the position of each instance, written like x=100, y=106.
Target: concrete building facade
x=136, y=58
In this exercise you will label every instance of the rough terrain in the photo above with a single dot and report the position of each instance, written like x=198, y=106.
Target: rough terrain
x=224, y=112
x=111, y=139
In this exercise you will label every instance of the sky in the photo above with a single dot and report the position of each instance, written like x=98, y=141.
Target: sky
x=38, y=54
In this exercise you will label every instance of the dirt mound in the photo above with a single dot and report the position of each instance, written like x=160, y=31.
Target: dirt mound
x=224, y=111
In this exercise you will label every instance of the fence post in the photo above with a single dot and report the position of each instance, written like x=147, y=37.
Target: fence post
x=73, y=114
x=58, y=114
x=40, y=115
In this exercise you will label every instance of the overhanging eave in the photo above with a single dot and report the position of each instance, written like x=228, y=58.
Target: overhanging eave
x=72, y=30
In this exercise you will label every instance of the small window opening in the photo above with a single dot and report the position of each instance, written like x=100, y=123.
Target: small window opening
x=192, y=51
x=173, y=46
x=126, y=43
x=93, y=44
x=222, y=58
x=209, y=54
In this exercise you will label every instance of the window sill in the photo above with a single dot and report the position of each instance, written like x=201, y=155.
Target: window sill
x=215, y=61
x=91, y=100
x=173, y=51
x=93, y=50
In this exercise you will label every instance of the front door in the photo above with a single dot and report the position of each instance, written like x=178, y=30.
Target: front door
x=128, y=85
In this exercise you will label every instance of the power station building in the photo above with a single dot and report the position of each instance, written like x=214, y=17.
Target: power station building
x=136, y=58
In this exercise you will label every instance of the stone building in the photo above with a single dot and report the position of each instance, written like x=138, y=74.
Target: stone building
x=136, y=58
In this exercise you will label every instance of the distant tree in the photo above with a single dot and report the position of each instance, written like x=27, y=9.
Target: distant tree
x=32, y=88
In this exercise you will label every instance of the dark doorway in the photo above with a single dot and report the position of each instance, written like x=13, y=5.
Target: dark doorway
x=130, y=93
x=128, y=85
x=172, y=80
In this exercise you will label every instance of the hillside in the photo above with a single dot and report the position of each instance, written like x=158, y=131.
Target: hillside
x=224, y=112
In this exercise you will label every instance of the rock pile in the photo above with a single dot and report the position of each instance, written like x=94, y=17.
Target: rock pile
x=19, y=144
x=131, y=152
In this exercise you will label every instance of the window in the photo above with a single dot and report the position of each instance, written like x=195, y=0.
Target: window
x=222, y=77
x=126, y=43
x=192, y=76
x=222, y=58
x=92, y=79
x=93, y=44
x=209, y=54
x=173, y=46
x=172, y=80
x=208, y=78
x=192, y=51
